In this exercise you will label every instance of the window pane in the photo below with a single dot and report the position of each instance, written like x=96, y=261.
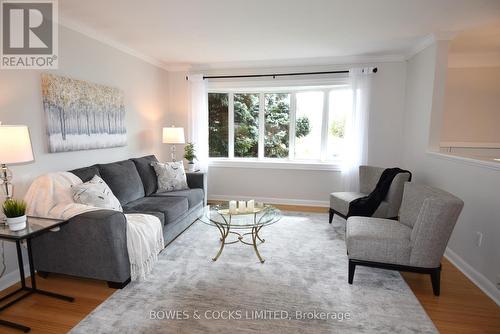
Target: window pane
x=339, y=108
x=246, y=125
x=277, y=125
x=308, y=120
x=217, y=124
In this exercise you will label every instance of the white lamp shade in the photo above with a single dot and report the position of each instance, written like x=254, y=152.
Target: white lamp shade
x=173, y=135
x=15, y=144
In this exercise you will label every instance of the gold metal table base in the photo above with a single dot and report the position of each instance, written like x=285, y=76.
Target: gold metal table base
x=225, y=230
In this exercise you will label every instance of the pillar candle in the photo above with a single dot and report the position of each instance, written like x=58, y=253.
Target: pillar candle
x=232, y=207
x=242, y=206
x=250, y=205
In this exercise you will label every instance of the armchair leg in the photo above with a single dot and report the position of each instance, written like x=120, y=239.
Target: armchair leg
x=331, y=215
x=436, y=281
x=352, y=268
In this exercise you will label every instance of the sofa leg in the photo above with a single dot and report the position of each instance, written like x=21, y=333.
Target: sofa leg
x=436, y=281
x=118, y=285
x=331, y=215
x=43, y=274
x=352, y=268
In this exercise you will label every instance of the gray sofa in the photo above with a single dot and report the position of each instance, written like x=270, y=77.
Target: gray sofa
x=94, y=244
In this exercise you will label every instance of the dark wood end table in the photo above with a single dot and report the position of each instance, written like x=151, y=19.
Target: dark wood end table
x=35, y=226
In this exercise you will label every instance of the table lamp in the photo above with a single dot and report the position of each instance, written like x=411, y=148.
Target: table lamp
x=173, y=136
x=15, y=148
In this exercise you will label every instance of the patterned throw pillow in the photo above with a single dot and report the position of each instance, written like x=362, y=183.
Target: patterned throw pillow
x=96, y=193
x=171, y=176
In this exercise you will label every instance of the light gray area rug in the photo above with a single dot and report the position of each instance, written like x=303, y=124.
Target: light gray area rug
x=305, y=273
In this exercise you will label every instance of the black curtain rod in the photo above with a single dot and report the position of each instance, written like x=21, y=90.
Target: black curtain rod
x=274, y=75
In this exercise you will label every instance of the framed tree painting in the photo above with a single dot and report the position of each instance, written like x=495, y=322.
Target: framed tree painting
x=82, y=115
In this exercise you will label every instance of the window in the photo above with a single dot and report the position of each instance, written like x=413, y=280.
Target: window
x=277, y=117
x=270, y=124
x=246, y=125
x=340, y=104
x=218, y=124
x=308, y=124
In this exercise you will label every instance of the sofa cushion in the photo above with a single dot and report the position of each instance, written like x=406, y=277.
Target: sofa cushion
x=86, y=173
x=123, y=179
x=147, y=173
x=378, y=240
x=171, y=207
x=339, y=201
x=96, y=193
x=194, y=196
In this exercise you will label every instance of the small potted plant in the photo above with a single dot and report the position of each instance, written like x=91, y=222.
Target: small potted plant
x=15, y=211
x=190, y=155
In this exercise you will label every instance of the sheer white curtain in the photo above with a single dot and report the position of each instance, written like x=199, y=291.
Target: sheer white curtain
x=198, y=118
x=356, y=148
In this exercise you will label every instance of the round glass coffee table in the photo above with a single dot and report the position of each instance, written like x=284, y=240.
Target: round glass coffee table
x=243, y=226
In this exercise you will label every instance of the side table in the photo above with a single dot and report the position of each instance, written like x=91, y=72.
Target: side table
x=35, y=226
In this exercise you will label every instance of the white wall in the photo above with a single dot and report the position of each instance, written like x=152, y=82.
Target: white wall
x=478, y=185
x=472, y=105
x=145, y=91
x=310, y=187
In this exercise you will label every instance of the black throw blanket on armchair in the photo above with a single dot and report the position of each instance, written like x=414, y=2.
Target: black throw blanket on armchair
x=366, y=206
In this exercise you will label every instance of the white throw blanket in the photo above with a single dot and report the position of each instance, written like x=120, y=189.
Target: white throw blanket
x=50, y=196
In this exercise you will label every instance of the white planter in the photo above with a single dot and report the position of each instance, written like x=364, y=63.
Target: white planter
x=191, y=167
x=17, y=223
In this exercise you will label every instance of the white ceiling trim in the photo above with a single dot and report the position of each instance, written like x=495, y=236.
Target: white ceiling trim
x=305, y=62
x=429, y=40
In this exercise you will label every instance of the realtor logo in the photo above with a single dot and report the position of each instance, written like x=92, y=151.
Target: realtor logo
x=29, y=34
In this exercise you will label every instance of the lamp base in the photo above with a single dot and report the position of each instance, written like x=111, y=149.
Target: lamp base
x=5, y=178
x=172, y=152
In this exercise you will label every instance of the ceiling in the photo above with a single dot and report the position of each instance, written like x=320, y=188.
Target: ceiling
x=202, y=32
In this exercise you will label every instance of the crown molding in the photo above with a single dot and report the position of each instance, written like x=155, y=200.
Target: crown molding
x=298, y=62
x=430, y=40
x=70, y=24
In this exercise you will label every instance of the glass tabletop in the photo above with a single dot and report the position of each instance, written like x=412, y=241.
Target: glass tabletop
x=219, y=215
x=34, y=225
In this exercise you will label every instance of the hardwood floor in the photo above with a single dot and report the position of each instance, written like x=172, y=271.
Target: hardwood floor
x=461, y=308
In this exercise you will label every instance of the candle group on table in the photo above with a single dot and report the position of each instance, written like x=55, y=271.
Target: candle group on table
x=243, y=207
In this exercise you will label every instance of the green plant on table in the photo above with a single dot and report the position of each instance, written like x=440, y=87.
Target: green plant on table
x=14, y=208
x=189, y=152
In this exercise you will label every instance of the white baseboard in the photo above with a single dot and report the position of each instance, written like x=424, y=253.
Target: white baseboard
x=12, y=278
x=475, y=276
x=271, y=200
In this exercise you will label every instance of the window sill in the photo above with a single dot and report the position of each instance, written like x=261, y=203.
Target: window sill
x=274, y=164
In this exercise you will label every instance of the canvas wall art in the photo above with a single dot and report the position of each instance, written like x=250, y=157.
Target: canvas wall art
x=82, y=115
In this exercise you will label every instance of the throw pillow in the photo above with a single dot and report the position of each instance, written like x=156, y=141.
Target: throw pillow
x=96, y=193
x=171, y=176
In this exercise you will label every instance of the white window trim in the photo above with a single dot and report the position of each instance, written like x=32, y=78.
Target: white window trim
x=274, y=163
x=283, y=86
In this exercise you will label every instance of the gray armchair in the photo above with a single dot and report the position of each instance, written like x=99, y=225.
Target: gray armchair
x=415, y=243
x=368, y=178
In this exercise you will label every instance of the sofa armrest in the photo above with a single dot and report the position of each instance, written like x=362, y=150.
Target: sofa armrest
x=198, y=180
x=92, y=244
